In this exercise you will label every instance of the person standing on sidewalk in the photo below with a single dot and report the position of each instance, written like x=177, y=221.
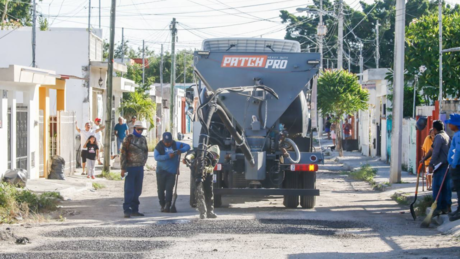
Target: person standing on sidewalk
x=84, y=135
x=121, y=130
x=454, y=160
x=134, y=154
x=439, y=153
x=425, y=149
x=131, y=124
x=98, y=136
x=167, y=154
x=91, y=155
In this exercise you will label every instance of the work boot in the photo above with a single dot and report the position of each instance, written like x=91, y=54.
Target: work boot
x=162, y=208
x=202, y=216
x=127, y=215
x=137, y=214
x=167, y=208
x=211, y=215
x=455, y=216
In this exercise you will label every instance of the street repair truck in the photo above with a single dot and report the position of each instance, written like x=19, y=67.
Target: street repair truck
x=253, y=102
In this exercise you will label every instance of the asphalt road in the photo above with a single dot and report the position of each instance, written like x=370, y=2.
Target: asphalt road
x=350, y=221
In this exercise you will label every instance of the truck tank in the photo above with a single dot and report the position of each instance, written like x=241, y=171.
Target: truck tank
x=252, y=103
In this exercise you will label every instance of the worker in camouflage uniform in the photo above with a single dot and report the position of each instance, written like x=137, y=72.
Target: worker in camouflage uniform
x=134, y=154
x=204, y=181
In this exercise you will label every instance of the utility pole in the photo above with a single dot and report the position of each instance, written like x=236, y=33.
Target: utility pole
x=161, y=87
x=440, y=55
x=320, y=35
x=123, y=46
x=340, y=47
x=185, y=67
x=377, y=45
x=99, y=14
x=108, y=120
x=143, y=62
x=34, y=32
x=173, y=73
x=361, y=63
x=398, y=93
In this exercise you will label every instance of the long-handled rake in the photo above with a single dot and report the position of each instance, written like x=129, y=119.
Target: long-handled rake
x=412, y=210
x=426, y=222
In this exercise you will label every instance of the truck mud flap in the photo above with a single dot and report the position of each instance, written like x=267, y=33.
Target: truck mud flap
x=266, y=192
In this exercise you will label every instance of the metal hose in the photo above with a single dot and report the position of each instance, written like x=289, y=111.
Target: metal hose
x=296, y=149
x=238, y=138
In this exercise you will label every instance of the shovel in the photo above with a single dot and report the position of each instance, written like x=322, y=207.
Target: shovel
x=426, y=222
x=173, y=204
x=412, y=210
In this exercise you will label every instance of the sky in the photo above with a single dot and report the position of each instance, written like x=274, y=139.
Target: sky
x=149, y=20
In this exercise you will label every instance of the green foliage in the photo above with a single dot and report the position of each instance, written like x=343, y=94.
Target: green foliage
x=423, y=48
x=16, y=14
x=383, y=11
x=140, y=105
x=400, y=198
x=16, y=203
x=365, y=173
x=44, y=26
x=98, y=186
x=340, y=93
x=111, y=176
x=422, y=204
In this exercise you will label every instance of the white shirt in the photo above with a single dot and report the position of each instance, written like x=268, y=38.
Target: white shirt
x=130, y=127
x=84, y=135
x=98, y=135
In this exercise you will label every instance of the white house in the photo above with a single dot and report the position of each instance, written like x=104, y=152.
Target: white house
x=179, y=120
x=19, y=117
x=373, y=122
x=68, y=51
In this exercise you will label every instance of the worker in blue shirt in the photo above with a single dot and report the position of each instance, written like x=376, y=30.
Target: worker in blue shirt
x=454, y=160
x=167, y=154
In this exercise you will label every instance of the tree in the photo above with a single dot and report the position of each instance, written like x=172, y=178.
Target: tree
x=139, y=105
x=423, y=48
x=15, y=13
x=340, y=93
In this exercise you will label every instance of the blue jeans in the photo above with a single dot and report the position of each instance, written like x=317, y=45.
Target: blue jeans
x=133, y=189
x=119, y=142
x=445, y=196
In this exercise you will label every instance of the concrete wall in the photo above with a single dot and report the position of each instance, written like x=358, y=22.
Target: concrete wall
x=3, y=132
x=59, y=49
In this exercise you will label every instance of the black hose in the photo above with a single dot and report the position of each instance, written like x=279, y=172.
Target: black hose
x=239, y=140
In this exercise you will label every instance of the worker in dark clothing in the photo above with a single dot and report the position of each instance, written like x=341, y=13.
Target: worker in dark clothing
x=454, y=160
x=204, y=192
x=438, y=153
x=167, y=154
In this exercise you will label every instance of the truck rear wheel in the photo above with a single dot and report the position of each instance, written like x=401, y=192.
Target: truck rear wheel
x=192, y=190
x=291, y=182
x=308, y=182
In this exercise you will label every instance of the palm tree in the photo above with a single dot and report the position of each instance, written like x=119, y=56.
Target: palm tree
x=139, y=105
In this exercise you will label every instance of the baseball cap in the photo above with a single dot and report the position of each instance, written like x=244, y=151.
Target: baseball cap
x=167, y=137
x=97, y=119
x=134, y=117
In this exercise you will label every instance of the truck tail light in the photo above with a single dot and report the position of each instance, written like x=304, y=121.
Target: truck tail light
x=304, y=167
x=218, y=167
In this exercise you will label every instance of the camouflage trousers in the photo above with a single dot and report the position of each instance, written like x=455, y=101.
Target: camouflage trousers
x=205, y=195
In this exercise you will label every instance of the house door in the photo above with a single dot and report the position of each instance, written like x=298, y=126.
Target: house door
x=21, y=137
x=379, y=140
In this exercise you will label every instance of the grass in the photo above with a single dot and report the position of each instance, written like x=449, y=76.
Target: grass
x=98, y=186
x=16, y=204
x=400, y=198
x=420, y=205
x=111, y=176
x=365, y=173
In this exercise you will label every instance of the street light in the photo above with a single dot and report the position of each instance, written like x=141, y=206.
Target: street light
x=421, y=70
